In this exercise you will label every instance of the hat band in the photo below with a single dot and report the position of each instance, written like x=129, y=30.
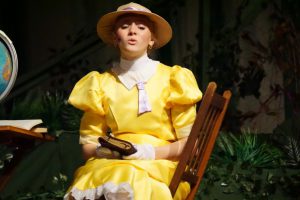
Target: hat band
x=135, y=9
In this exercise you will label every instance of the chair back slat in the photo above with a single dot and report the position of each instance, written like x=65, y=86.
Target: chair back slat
x=218, y=101
x=198, y=148
x=203, y=139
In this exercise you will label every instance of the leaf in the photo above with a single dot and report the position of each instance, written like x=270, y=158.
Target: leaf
x=293, y=151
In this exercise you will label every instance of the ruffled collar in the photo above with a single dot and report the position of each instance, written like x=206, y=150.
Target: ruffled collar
x=131, y=72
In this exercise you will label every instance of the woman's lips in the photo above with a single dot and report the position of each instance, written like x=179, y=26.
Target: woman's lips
x=132, y=41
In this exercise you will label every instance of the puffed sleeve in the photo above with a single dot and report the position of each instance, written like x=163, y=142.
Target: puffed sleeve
x=184, y=94
x=88, y=96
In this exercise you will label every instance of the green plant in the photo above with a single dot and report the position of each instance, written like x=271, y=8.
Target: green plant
x=27, y=107
x=245, y=150
x=293, y=151
x=287, y=137
x=71, y=117
x=56, y=192
x=244, y=165
x=290, y=183
x=52, y=105
x=223, y=182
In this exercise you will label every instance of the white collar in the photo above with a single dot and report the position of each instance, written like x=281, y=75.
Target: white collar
x=130, y=72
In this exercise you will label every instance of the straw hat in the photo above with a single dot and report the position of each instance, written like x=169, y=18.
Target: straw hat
x=162, y=29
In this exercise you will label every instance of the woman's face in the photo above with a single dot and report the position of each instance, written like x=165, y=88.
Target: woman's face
x=133, y=36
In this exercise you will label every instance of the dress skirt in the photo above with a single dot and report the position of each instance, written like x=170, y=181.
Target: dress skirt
x=125, y=179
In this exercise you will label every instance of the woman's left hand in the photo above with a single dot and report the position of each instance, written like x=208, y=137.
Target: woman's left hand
x=144, y=152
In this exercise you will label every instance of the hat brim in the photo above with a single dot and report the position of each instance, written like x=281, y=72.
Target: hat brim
x=162, y=29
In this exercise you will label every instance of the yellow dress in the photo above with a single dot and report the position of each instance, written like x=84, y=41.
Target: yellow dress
x=107, y=103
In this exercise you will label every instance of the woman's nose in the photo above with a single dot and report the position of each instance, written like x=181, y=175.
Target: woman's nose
x=132, y=28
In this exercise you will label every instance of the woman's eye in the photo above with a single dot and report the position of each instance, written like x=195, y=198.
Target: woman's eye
x=142, y=27
x=124, y=26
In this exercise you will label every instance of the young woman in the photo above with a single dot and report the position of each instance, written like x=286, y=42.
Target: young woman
x=140, y=100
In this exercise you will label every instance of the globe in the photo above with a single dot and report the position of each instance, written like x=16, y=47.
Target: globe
x=8, y=65
x=5, y=67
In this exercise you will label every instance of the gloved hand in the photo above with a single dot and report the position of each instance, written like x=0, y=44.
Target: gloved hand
x=103, y=152
x=144, y=152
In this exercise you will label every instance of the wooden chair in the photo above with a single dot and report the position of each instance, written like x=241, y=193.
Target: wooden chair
x=200, y=143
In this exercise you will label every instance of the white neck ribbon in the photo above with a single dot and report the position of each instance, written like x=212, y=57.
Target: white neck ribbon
x=137, y=73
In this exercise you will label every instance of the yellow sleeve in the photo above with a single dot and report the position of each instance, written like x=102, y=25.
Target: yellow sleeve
x=91, y=127
x=184, y=94
x=87, y=94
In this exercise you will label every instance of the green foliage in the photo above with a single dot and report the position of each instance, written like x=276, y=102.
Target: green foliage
x=59, y=183
x=27, y=107
x=287, y=137
x=71, y=118
x=247, y=167
x=290, y=183
x=246, y=151
x=51, y=107
x=58, y=116
x=293, y=151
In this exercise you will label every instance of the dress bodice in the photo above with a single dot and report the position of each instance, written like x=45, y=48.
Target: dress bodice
x=172, y=93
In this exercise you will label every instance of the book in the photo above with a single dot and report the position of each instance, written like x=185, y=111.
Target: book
x=32, y=128
x=27, y=124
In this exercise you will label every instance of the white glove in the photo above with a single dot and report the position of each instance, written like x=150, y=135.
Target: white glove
x=144, y=152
